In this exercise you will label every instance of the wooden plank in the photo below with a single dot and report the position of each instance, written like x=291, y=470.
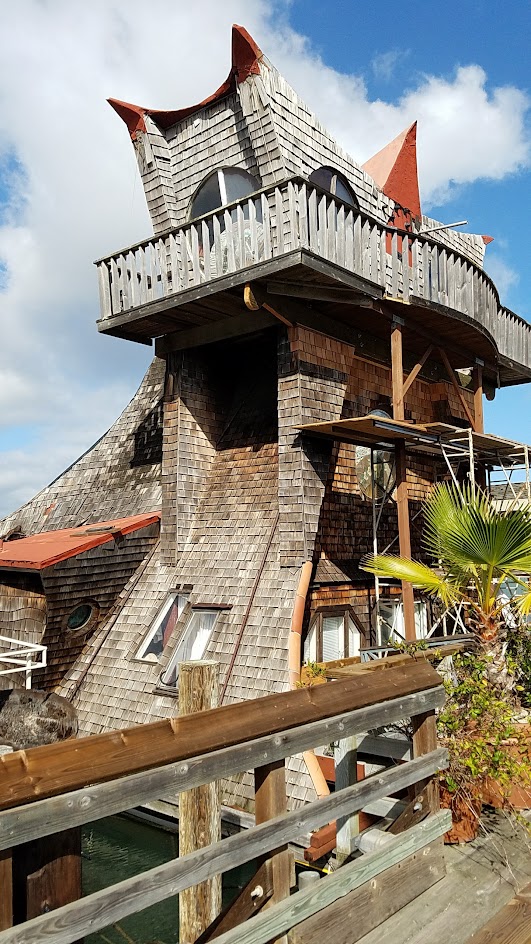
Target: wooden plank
x=199, y=808
x=247, y=903
x=352, y=917
x=46, y=875
x=478, y=398
x=328, y=891
x=68, y=765
x=346, y=764
x=233, y=327
x=6, y=889
x=271, y=802
x=325, y=293
x=43, y=817
x=424, y=742
x=397, y=371
x=512, y=925
x=129, y=896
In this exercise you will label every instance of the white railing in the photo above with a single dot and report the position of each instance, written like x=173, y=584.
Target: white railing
x=296, y=215
x=16, y=658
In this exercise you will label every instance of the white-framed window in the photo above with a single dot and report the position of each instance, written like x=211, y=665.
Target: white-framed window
x=392, y=626
x=192, y=644
x=162, y=627
x=333, y=634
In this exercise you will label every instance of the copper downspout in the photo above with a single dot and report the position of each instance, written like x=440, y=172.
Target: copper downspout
x=294, y=668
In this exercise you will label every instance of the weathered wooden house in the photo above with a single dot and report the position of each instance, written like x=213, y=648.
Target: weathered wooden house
x=322, y=350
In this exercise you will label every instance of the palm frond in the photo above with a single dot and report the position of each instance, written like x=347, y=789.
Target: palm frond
x=420, y=575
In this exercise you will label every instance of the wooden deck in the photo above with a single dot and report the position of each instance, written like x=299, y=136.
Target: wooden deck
x=148, y=289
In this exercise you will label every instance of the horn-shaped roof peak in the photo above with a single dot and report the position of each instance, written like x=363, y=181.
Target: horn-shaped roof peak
x=394, y=169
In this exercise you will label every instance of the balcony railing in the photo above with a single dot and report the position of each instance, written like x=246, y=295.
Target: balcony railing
x=296, y=215
x=21, y=658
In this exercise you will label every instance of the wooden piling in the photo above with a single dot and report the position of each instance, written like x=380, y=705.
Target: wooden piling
x=199, y=809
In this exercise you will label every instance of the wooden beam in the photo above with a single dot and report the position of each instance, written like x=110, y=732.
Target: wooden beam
x=199, y=808
x=131, y=895
x=233, y=327
x=451, y=374
x=247, y=903
x=46, y=875
x=6, y=889
x=350, y=918
x=46, y=816
x=397, y=371
x=313, y=292
x=424, y=742
x=270, y=801
x=478, y=398
x=413, y=374
x=348, y=827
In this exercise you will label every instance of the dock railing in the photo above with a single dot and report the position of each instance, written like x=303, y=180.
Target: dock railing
x=53, y=788
x=295, y=214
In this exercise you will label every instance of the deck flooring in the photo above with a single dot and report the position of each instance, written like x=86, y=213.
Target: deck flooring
x=482, y=878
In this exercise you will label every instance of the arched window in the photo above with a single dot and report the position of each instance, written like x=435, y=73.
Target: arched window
x=329, y=179
x=225, y=185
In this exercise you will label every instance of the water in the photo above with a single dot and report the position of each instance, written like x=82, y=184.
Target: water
x=118, y=848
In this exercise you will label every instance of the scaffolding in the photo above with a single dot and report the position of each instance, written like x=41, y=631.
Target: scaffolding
x=499, y=465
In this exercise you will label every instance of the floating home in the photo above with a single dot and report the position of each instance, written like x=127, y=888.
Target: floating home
x=322, y=350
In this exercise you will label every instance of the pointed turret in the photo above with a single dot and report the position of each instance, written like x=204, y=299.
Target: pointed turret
x=394, y=169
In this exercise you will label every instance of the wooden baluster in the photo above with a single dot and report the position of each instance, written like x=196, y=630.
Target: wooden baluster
x=270, y=801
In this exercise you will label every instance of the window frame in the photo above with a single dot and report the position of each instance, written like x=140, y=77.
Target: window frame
x=335, y=175
x=420, y=608
x=139, y=654
x=173, y=661
x=316, y=623
x=220, y=173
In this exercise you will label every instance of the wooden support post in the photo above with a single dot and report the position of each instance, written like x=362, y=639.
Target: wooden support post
x=346, y=757
x=46, y=874
x=397, y=370
x=425, y=741
x=451, y=375
x=199, y=809
x=478, y=398
x=404, y=534
x=6, y=890
x=270, y=801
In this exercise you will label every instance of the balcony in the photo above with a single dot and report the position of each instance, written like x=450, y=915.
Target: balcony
x=295, y=239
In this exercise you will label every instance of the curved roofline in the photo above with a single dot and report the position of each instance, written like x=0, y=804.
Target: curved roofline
x=246, y=56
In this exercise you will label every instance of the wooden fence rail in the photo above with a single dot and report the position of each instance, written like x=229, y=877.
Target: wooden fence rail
x=225, y=741
x=297, y=215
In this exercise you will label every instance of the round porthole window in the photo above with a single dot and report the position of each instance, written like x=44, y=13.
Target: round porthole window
x=82, y=616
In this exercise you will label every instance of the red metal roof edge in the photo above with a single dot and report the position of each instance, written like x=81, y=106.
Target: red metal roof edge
x=246, y=56
x=93, y=538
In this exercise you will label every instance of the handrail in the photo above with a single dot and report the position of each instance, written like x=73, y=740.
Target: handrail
x=21, y=657
x=227, y=740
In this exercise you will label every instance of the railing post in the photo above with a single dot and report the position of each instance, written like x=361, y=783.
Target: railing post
x=199, y=809
x=425, y=741
x=270, y=801
x=346, y=758
x=6, y=890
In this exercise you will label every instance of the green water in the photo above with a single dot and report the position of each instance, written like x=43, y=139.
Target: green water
x=117, y=848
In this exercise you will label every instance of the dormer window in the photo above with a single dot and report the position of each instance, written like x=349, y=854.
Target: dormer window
x=162, y=627
x=331, y=180
x=225, y=185
x=192, y=644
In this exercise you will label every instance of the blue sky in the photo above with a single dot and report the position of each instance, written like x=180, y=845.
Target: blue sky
x=69, y=190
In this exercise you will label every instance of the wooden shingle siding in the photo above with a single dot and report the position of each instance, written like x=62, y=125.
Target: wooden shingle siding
x=119, y=476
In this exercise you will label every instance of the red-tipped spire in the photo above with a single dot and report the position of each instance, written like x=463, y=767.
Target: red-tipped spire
x=246, y=57
x=394, y=169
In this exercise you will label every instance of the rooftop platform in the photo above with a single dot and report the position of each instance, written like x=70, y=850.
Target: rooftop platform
x=336, y=267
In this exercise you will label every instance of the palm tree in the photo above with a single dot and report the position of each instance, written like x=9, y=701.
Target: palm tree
x=475, y=549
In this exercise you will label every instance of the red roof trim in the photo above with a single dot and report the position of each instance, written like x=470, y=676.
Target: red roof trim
x=50, y=547
x=246, y=57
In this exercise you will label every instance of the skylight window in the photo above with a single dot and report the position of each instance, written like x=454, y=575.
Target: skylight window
x=162, y=628
x=193, y=643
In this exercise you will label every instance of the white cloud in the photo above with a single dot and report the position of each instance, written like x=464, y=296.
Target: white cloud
x=69, y=190
x=384, y=63
x=501, y=273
